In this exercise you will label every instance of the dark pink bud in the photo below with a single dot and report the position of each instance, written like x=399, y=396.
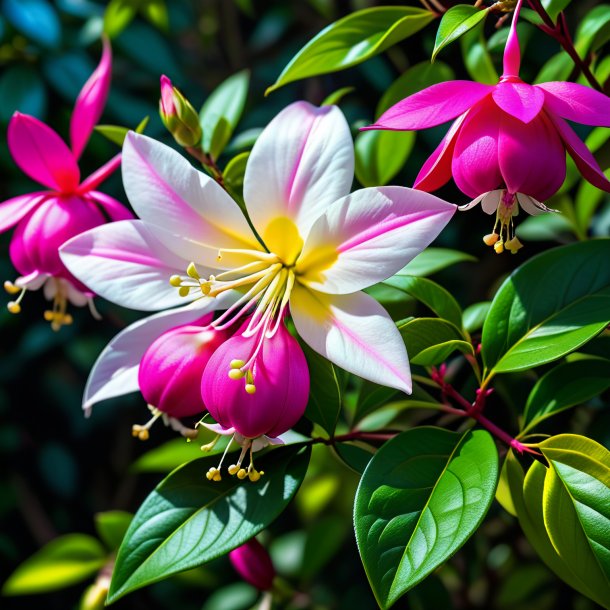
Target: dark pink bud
x=171, y=369
x=257, y=385
x=168, y=107
x=253, y=564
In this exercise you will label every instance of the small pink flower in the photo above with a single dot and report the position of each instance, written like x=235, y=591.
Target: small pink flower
x=252, y=562
x=508, y=139
x=44, y=220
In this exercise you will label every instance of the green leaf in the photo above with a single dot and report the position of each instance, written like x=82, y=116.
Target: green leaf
x=117, y=134
x=421, y=497
x=458, y=20
x=554, y=7
x=593, y=30
x=503, y=492
x=433, y=260
x=436, y=354
x=221, y=112
x=352, y=40
x=234, y=173
x=576, y=507
x=380, y=155
x=476, y=56
x=431, y=294
x=474, y=315
x=188, y=520
x=156, y=12
x=548, y=307
x=567, y=385
x=354, y=456
x=422, y=334
x=336, y=96
x=118, y=15
x=63, y=562
x=324, y=393
x=111, y=527
x=558, y=67
x=325, y=537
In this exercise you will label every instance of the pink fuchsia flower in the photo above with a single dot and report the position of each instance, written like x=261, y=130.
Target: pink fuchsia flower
x=252, y=562
x=507, y=146
x=44, y=220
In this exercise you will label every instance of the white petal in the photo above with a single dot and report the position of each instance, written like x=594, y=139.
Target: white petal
x=533, y=206
x=124, y=263
x=300, y=164
x=355, y=332
x=368, y=236
x=185, y=209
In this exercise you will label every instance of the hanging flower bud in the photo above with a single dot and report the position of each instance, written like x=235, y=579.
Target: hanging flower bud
x=253, y=564
x=178, y=115
x=170, y=373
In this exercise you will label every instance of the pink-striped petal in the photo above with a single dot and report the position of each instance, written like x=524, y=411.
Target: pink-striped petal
x=300, y=164
x=13, y=210
x=520, y=100
x=354, y=332
x=99, y=175
x=42, y=154
x=185, y=209
x=433, y=106
x=577, y=103
x=532, y=157
x=585, y=161
x=436, y=171
x=115, y=372
x=368, y=236
x=125, y=263
x=475, y=164
x=90, y=102
x=115, y=209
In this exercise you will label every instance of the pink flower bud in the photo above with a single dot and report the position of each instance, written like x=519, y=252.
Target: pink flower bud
x=171, y=368
x=253, y=564
x=167, y=106
x=257, y=385
x=178, y=115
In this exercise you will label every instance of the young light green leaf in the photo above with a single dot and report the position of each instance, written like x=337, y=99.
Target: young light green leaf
x=234, y=173
x=380, y=155
x=63, y=562
x=437, y=354
x=352, y=40
x=156, y=12
x=117, y=133
x=111, y=527
x=117, y=16
x=567, y=385
x=433, y=260
x=336, y=96
x=221, y=112
x=420, y=498
x=548, y=307
x=474, y=315
x=458, y=20
x=324, y=403
x=188, y=520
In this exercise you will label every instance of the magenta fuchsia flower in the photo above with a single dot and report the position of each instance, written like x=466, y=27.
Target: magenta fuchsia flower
x=315, y=248
x=252, y=562
x=507, y=147
x=44, y=220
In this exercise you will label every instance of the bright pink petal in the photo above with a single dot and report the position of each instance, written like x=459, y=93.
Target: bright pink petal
x=585, y=161
x=512, y=52
x=13, y=210
x=368, y=236
x=99, y=175
x=577, y=103
x=520, y=100
x=41, y=153
x=475, y=164
x=532, y=157
x=115, y=372
x=436, y=171
x=115, y=209
x=90, y=102
x=185, y=209
x=124, y=263
x=433, y=106
x=300, y=164
x=354, y=332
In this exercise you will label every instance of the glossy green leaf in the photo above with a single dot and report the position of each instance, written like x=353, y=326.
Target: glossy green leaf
x=234, y=173
x=188, y=520
x=558, y=67
x=458, y=20
x=423, y=333
x=476, y=56
x=380, y=155
x=593, y=30
x=433, y=260
x=117, y=134
x=117, y=17
x=431, y=294
x=554, y=7
x=548, y=307
x=420, y=498
x=437, y=354
x=352, y=40
x=336, y=96
x=324, y=393
x=567, y=385
x=474, y=315
x=503, y=492
x=63, y=562
x=221, y=112
x=111, y=527
x=354, y=456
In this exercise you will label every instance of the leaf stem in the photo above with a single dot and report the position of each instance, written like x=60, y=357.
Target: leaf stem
x=208, y=162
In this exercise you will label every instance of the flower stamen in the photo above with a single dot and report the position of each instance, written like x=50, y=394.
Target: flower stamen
x=142, y=431
x=14, y=306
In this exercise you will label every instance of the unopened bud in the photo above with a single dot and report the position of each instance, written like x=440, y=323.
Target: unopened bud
x=178, y=115
x=253, y=564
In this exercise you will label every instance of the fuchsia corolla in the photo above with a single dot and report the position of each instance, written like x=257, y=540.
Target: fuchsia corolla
x=307, y=249
x=507, y=147
x=44, y=220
